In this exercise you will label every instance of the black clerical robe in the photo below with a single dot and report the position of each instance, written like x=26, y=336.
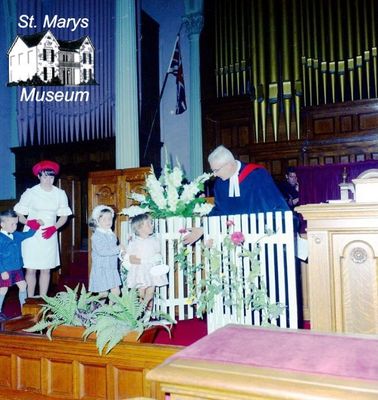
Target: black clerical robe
x=258, y=193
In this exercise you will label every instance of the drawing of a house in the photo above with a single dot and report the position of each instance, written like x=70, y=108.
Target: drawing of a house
x=41, y=54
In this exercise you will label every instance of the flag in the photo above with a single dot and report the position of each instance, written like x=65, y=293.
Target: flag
x=175, y=68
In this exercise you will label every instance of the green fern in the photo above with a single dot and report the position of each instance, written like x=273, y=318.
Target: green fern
x=66, y=308
x=115, y=320
x=124, y=315
x=110, y=322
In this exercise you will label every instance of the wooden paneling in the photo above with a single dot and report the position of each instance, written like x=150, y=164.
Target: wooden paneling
x=368, y=121
x=5, y=371
x=324, y=126
x=343, y=266
x=7, y=204
x=342, y=132
x=340, y=118
x=72, y=369
x=113, y=189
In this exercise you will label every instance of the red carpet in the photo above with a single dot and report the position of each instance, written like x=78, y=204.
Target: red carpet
x=184, y=333
x=306, y=324
x=76, y=273
x=11, y=306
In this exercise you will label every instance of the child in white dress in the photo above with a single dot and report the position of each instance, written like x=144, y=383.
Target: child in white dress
x=144, y=261
x=104, y=274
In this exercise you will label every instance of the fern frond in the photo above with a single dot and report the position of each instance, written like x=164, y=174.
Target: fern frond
x=38, y=327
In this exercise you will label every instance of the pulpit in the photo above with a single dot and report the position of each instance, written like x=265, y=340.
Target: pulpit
x=343, y=266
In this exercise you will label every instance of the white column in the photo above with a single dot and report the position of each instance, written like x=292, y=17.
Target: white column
x=126, y=86
x=193, y=20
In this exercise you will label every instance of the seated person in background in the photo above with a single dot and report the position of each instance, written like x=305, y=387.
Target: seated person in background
x=240, y=189
x=290, y=188
x=290, y=191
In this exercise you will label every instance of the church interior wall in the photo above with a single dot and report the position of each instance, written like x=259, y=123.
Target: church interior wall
x=7, y=183
x=174, y=128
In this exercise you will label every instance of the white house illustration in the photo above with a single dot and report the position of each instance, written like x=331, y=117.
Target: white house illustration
x=43, y=55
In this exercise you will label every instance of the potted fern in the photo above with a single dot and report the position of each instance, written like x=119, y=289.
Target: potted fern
x=60, y=314
x=82, y=314
x=124, y=319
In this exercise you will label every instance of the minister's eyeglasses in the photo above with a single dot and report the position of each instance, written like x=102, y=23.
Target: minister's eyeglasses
x=216, y=170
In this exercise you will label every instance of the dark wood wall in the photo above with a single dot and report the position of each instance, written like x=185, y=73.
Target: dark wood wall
x=339, y=131
x=335, y=133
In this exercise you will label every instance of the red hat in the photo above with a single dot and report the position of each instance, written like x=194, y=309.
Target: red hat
x=45, y=164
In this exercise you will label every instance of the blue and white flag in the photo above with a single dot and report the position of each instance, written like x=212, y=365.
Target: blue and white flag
x=175, y=68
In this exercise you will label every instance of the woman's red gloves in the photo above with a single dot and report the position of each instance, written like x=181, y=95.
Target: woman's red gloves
x=33, y=224
x=48, y=232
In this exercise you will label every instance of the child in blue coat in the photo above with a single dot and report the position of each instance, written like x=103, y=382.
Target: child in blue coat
x=10, y=255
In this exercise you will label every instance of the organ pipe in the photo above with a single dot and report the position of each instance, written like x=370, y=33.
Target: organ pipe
x=292, y=53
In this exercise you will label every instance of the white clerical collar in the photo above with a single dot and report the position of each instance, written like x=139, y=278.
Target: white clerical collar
x=10, y=235
x=233, y=188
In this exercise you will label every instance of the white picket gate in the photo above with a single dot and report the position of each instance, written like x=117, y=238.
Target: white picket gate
x=277, y=260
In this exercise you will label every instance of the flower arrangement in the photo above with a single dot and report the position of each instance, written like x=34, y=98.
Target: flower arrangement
x=223, y=273
x=170, y=195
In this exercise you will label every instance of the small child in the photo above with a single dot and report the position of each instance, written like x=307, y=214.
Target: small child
x=144, y=261
x=104, y=274
x=10, y=254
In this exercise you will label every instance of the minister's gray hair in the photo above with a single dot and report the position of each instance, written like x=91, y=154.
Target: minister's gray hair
x=221, y=154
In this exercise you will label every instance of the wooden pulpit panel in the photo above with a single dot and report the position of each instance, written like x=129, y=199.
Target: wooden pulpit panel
x=356, y=283
x=343, y=266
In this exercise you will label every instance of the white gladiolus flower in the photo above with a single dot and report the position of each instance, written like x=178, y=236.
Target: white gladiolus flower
x=203, y=178
x=156, y=191
x=172, y=197
x=163, y=195
x=176, y=177
x=189, y=192
x=132, y=211
x=203, y=209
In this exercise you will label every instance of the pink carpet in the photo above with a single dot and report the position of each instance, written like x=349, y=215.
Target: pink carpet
x=304, y=351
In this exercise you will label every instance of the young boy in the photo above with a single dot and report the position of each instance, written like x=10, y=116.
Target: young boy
x=10, y=255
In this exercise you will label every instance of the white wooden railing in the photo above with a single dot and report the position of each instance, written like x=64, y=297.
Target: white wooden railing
x=277, y=262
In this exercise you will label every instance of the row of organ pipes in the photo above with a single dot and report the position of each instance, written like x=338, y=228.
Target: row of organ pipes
x=288, y=54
